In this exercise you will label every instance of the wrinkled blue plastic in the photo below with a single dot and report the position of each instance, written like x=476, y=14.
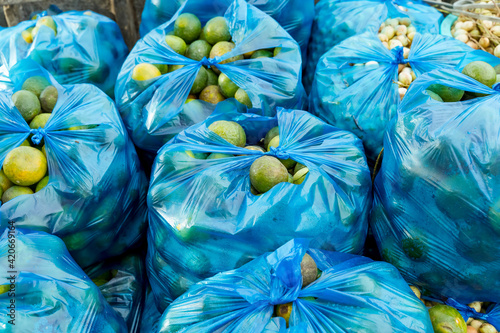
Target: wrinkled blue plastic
x=88, y=48
x=295, y=16
x=52, y=293
x=353, y=294
x=155, y=115
x=204, y=219
x=126, y=290
x=436, y=213
x=96, y=196
x=337, y=20
x=150, y=315
x=363, y=99
x=491, y=315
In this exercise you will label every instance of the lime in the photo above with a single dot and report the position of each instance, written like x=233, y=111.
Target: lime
x=447, y=94
x=497, y=69
x=27, y=104
x=25, y=166
x=176, y=43
x=4, y=288
x=172, y=68
x=308, y=270
x=200, y=156
x=275, y=142
x=35, y=84
x=300, y=176
x=284, y=311
x=5, y=183
x=254, y=191
x=266, y=172
x=230, y=131
x=216, y=30
x=214, y=156
x=248, y=55
x=434, y=96
x=211, y=94
x=25, y=143
x=221, y=48
x=48, y=98
x=275, y=131
x=45, y=21
x=70, y=65
x=227, y=87
x=198, y=50
x=446, y=319
x=202, y=34
x=27, y=36
x=188, y=27
x=200, y=82
x=163, y=68
x=144, y=72
x=258, y=148
x=414, y=248
x=40, y=120
x=481, y=71
x=212, y=78
x=42, y=183
x=262, y=54
x=276, y=51
x=242, y=97
x=298, y=166
x=15, y=191
x=290, y=178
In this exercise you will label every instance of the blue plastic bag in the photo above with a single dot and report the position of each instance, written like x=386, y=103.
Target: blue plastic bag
x=337, y=20
x=436, y=214
x=155, y=114
x=353, y=294
x=96, y=196
x=122, y=281
x=295, y=16
x=50, y=291
x=150, y=314
x=88, y=48
x=363, y=99
x=204, y=219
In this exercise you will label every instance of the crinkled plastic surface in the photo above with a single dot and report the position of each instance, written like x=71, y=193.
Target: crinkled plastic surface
x=155, y=114
x=353, y=294
x=363, y=99
x=490, y=315
x=150, y=314
x=295, y=16
x=122, y=282
x=96, y=196
x=436, y=214
x=88, y=48
x=337, y=20
x=204, y=219
x=52, y=293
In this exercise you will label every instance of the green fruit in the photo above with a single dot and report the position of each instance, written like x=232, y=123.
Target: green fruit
x=446, y=319
x=214, y=156
x=145, y=72
x=15, y=191
x=200, y=156
x=40, y=120
x=46, y=21
x=163, y=68
x=257, y=148
x=414, y=248
x=481, y=71
x=202, y=34
x=198, y=50
x=266, y=172
x=42, y=183
x=172, y=68
x=27, y=104
x=242, y=97
x=300, y=176
x=447, y=94
x=221, y=48
x=25, y=166
x=216, y=30
x=188, y=27
x=35, y=84
x=227, y=86
x=290, y=179
x=48, y=98
x=230, y=131
x=298, y=166
x=200, y=82
x=25, y=143
x=70, y=65
x=213, y=80
x=211, y=94
x=176, y=43
x=284, y=311
x=434, y=96
x=275, y=131
x=261, y=54
x=276, y=51
x=497, y=69
x=275, y=142
x=5, y=183
x=308, y=270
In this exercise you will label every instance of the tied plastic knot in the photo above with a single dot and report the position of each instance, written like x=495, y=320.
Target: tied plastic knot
x=277, y=152
x=496, y=87
x=466, y=311
x=38, y=134
x=399, y=54
x=209, y=61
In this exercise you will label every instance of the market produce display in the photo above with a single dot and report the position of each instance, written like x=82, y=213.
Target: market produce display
x=337, y=20
x=51, y=292
x=360, y=82
x=235, y=51
x=70, y=170
x=306, y=289
x=122, y=282
x=75, y=47
x=436, y=209
x=217, y=200
x=295, y=16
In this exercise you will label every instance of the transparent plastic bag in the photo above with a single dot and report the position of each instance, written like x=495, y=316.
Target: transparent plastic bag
x=204, y=219
x=150, y=314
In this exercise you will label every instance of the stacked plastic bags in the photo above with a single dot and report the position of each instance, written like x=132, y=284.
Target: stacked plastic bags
x=337, y=20
x=436, y=214
x=75, y=47
x=95, y=196
x=351, y=294
x=154, y=112
x=51, y=293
